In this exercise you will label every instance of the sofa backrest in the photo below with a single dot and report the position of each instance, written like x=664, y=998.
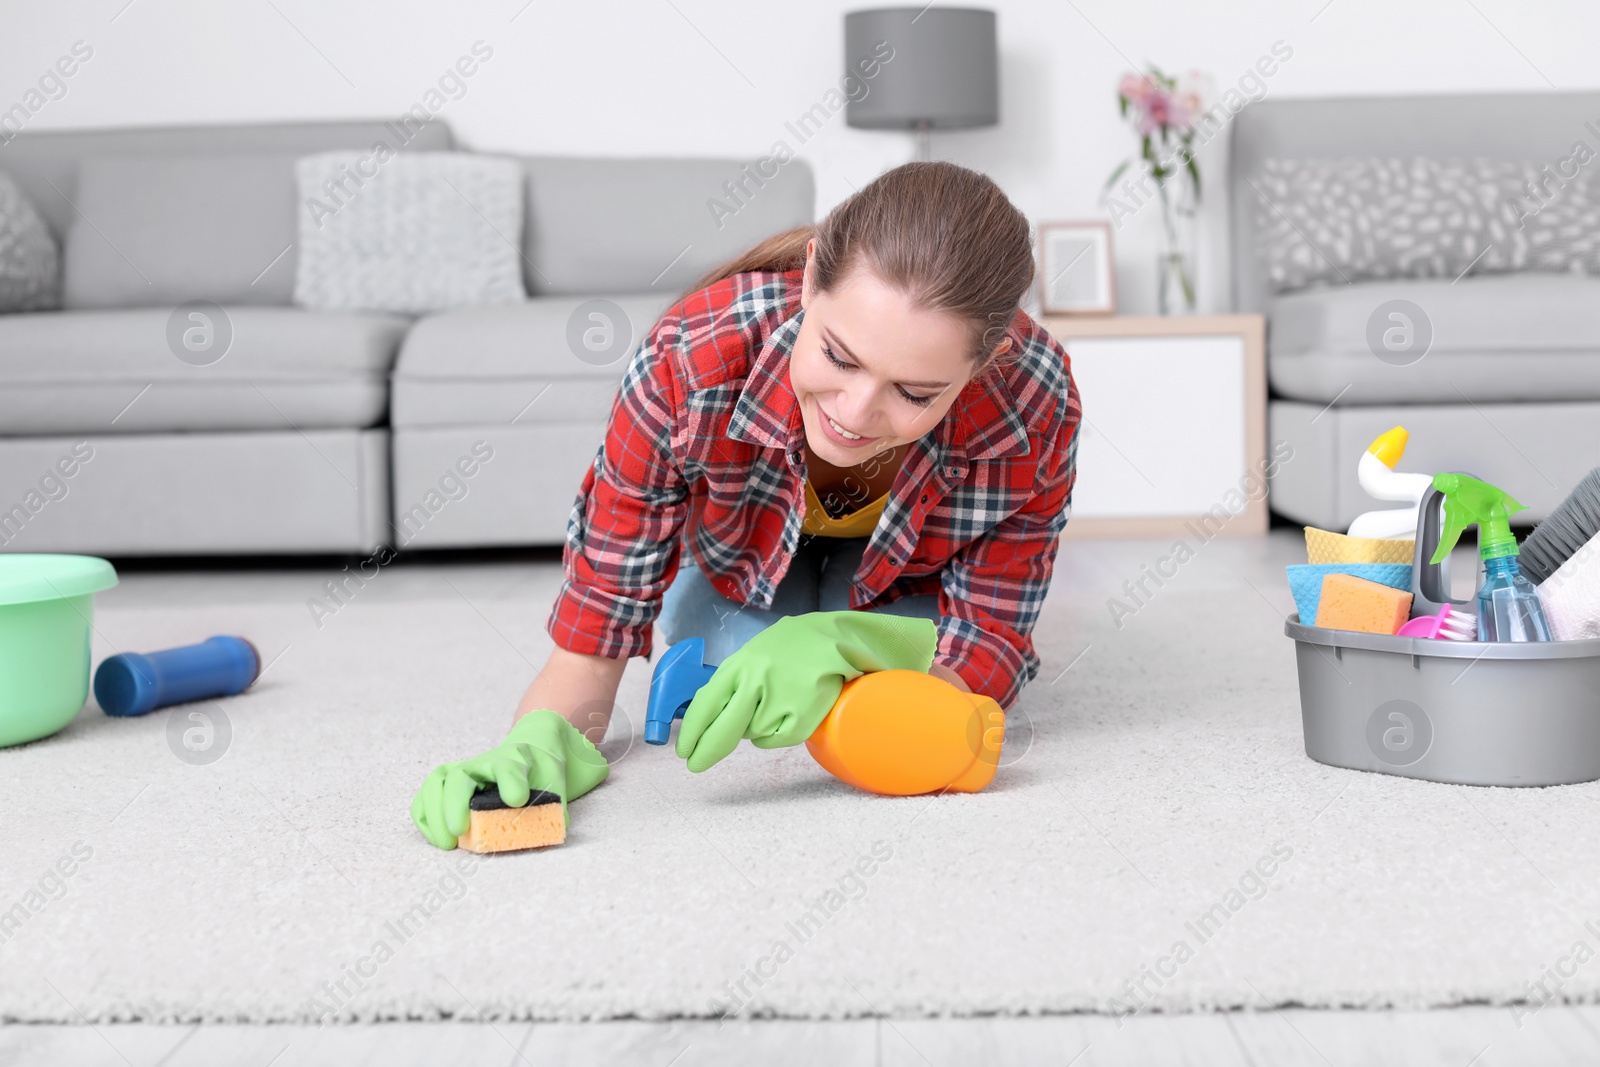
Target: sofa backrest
x=597, y=225
x=158, y=215
x=46, y=161
x=591, y=225
x=1534, y=127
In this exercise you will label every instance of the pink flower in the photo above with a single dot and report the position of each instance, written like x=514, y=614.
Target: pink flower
x=1155, y=112
x=1189, y=100
x=1135, y=88
x=1164, y=111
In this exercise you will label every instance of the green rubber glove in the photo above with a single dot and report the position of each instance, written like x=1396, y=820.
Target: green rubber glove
x=542, y=751
x=778, y=687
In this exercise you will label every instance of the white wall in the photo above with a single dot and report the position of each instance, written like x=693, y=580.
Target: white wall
x=695, y=77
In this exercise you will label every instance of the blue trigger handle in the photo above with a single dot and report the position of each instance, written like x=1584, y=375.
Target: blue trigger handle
x=677, y=678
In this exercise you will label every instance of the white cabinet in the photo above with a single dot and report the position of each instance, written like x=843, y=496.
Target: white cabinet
x=1173, y=438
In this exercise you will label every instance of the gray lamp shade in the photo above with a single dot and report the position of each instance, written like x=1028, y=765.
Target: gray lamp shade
x=943, y=73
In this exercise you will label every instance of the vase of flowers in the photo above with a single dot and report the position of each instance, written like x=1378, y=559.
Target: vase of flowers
x=1164, y=111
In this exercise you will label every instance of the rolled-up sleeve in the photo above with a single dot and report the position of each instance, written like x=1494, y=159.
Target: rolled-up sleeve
x=622, y=538
x=993, y=589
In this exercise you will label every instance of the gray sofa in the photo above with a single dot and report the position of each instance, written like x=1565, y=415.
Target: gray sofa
x=327, y=432
x=1510, y=388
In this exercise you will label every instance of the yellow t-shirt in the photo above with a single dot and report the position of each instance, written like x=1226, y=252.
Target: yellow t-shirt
x=858, y=523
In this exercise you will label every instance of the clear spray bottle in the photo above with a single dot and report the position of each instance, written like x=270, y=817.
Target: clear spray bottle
x=1508, y=604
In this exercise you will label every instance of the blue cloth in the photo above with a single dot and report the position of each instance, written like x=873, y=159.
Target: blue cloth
x=818, y=579
x=1305, y=582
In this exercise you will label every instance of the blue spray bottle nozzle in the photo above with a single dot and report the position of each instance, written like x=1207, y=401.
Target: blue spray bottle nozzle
x=677, y=678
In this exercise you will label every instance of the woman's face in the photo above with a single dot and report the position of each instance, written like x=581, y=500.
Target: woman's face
x=875, y=365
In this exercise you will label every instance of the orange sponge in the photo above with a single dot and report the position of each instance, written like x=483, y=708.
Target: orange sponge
x=1351, y=603
x=498, y=828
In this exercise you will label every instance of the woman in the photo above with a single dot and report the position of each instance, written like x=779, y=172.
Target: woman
x=868, y=450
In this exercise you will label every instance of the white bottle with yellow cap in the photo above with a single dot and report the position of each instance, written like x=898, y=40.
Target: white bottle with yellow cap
x=1382, y=482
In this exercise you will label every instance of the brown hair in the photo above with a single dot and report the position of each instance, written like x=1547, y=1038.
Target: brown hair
x=945, y=235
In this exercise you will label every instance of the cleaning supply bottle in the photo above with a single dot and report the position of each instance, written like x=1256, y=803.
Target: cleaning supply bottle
x=904, y=733
x=1508, y=604
x=894, y=732
x=133, y=683
x=1381, y=481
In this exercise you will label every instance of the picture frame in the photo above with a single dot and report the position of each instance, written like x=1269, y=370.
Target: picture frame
x=1076, y=270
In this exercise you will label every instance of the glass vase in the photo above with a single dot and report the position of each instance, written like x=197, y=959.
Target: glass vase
x=1175, y=267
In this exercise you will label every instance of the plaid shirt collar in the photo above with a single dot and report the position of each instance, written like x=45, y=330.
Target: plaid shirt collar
x=983, y=423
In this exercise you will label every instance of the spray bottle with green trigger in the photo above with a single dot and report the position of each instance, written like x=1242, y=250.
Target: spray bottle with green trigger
x=1508, y=604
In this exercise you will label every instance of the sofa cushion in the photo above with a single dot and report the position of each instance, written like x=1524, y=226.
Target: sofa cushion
x=652, y=225
x=1499, y=338
x=115, y=371
x=162, y=230
x=550, y=359
x=414, y=233
x=30, y=264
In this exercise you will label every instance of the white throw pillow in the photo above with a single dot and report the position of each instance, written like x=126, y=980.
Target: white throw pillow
x=411, y=232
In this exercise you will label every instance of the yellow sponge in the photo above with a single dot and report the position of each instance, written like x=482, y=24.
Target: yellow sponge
x=1351, y=603
x=498, y=828
x=1325, y=546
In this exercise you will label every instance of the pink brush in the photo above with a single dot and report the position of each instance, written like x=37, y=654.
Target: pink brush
x=1448, y=625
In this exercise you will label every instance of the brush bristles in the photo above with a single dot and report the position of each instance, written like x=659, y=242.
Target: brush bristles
x=1458, y=625
x=1569, y=527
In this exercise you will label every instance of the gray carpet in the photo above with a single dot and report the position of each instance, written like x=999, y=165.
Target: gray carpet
x=1141, y=792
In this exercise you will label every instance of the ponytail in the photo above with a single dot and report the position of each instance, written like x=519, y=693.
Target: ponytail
x=781, y=252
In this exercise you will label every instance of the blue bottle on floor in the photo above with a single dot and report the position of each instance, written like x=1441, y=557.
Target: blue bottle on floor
x=133, y=683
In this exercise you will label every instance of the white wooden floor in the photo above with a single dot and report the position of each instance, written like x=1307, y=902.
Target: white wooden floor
x=1458, y=1037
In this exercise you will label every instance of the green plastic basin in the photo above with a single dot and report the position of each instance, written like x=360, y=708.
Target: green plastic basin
x=46, y=611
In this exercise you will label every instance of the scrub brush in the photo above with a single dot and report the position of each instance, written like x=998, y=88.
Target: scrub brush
x=1569, y=527
x=1565, y=561
x=1448, y=625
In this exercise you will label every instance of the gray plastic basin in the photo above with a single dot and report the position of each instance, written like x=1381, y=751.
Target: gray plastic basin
x=1470, y=712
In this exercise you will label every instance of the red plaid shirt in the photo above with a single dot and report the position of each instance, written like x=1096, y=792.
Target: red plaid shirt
x=705, y=448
